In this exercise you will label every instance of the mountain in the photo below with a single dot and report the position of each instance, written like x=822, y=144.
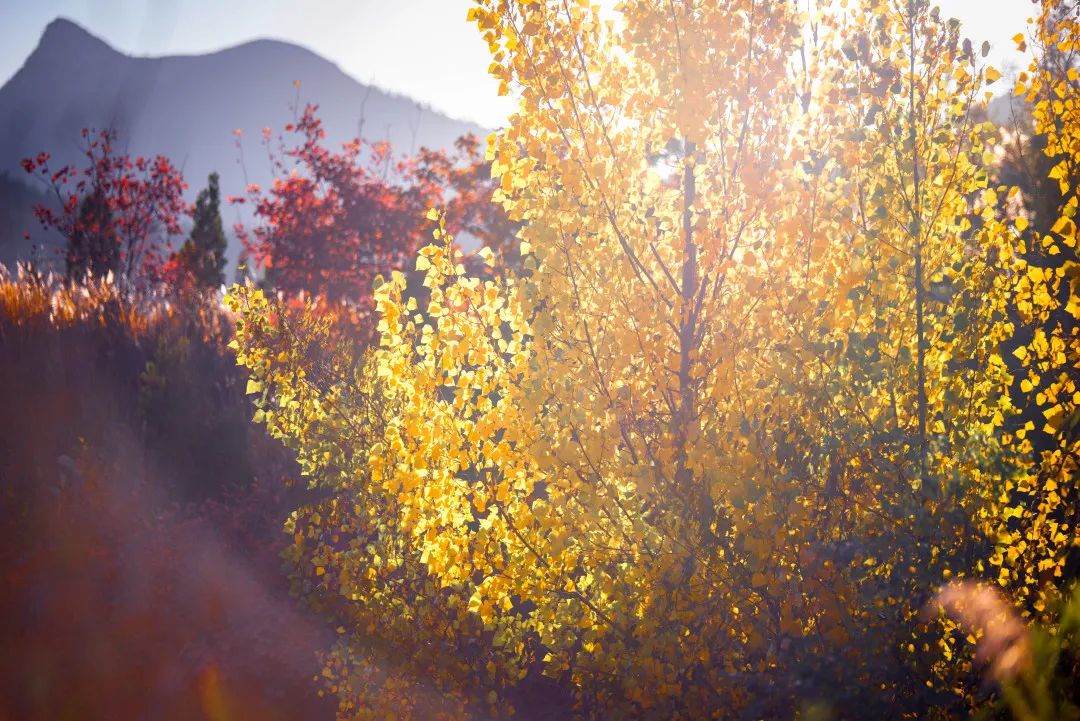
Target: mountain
x=17, y=201
x=187, y=108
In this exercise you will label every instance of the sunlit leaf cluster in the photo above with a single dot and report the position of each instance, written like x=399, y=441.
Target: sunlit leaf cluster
x=750, y=400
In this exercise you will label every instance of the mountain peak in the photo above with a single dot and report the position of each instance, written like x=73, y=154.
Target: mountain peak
x=61, y=23
x=63, y=32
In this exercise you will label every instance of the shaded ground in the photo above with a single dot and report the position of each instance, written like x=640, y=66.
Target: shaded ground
x=132, y=589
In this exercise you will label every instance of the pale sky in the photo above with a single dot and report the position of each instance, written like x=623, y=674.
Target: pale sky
x=422, y=48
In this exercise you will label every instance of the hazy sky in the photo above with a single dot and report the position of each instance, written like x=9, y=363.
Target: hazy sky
x=422, y=48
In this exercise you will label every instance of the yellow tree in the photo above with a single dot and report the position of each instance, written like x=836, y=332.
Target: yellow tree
x=895, y=309
x=1035, y=523
x=407, y=647
x=646, y=160
x=681, y=346
x=736, y=417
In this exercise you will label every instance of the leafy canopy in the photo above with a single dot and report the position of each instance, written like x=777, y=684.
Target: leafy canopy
x=741, y=411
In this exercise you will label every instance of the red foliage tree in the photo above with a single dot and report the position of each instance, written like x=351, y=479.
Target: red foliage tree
x=469, y=208
x=332, y=221
x=115, y=213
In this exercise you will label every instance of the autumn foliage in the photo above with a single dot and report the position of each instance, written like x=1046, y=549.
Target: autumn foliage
x=756, y=391
x=334, y=220
x=115, y=213
x=142, y=511
x=758, y=399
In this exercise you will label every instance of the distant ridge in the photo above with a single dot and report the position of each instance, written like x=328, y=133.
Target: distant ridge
x=187, y=106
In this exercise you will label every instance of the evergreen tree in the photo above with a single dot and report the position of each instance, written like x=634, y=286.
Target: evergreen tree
x=203, y=254
x=92, y=247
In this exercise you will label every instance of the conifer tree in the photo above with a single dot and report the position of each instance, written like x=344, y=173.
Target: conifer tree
x=90, y=246
x=203, y=254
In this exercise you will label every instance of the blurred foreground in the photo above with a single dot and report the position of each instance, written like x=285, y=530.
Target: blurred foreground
x=140, y=522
